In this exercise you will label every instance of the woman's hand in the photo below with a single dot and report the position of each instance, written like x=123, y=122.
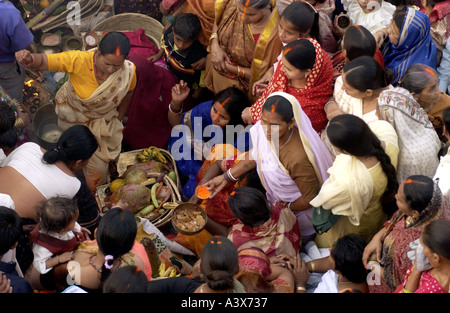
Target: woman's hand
x=179, y=93
x=380, y=36
x=246, y=116
x=373, y=251
x=24, y=57
x=300, y=271
x=65, y=257
x=219, y=57
x=5, y=284
x=86, y=232
x=199, y=65
x=216, y=184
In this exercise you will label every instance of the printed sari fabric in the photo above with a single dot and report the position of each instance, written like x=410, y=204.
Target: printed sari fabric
x=280, y=234
x=396, y=242
x=440, y=25
x=312, y=99
x=427, y=283
x=239, y=43
x=205, y=10
x=414, y=45
x=418, y=141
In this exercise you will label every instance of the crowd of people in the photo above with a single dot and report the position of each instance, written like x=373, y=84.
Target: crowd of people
x=320, y=129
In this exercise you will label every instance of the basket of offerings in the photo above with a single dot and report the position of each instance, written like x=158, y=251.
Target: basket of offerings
x=148, y=185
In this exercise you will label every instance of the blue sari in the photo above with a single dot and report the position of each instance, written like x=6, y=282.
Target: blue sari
x=414, y=45
x=191, y=141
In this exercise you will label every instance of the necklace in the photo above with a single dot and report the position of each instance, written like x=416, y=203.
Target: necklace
x=290, y=135
x=366, y=159
x=96, y=70
x=92, y=263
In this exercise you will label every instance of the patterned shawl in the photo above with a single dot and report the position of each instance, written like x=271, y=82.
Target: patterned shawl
x=396, y=242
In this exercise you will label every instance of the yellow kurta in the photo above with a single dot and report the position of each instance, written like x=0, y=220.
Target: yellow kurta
x=373, y=217
x=80, y=66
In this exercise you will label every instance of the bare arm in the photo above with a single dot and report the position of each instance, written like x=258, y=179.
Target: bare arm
x=122, y=108
x=35, y=61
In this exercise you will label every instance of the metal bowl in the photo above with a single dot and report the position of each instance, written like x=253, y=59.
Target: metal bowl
x=188, y=206
x=45, y=126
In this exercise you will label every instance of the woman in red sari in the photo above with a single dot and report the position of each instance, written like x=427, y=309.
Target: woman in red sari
x=272, y=228
x=435, y=244
x=306, y=72
x=419, y=200
x=438, y=11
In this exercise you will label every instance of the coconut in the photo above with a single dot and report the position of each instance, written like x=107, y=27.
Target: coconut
x=135, y=176
x=134, y=196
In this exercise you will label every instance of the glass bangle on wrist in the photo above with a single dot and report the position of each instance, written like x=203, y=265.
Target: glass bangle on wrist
x=231, y=176
x=171, y=110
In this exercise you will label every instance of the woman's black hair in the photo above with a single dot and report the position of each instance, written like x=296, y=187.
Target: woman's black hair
x=7, y=117
x=113, y=41
x=365, y=73
x=219, y=263
x=257, y=4
x=418, y=192
x=401, y=2
x=436, y=236
x=359, y=41
x=301, y=53
x=127, y=279
x=347, y=254
x=75, y=143
x=351, y=134
x=303, y=17
x=399, y=17
x=187, y=26
x=56, y=213
x=116, y=234
x=9, y=138
x=235, y=101
x=10, y=229
x=417, y=77
x=250, y=206
x=281, y=106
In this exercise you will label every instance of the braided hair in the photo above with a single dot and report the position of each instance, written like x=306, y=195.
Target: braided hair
x=351, y=134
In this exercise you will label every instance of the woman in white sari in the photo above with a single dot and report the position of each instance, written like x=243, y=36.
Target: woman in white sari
x=97, y=94
x=418, y=142
x=290, y=158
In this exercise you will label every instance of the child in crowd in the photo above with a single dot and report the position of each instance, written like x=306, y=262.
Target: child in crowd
x=10, y=230
x=127, y=279
x=184, y=54
x=56, y=235
x=8, y=141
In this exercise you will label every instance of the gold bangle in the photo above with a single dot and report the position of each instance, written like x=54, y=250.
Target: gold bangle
x=300, y=289
x=312, y=266
x=213, y=36
x=19, y=123
x=241, y=72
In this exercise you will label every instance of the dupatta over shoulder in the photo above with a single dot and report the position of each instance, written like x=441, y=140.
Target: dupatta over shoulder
x=99, y=111
x=238, y=42
x=414, y=45
x=312, y=99
x=280, y=187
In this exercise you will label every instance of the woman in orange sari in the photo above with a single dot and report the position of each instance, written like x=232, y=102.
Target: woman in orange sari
x=243, y=45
